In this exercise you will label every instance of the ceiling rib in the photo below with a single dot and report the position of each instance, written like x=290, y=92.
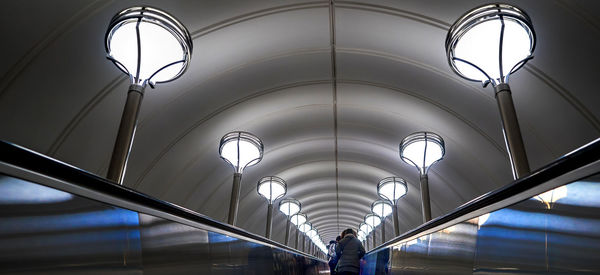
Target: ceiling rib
x=334, y=91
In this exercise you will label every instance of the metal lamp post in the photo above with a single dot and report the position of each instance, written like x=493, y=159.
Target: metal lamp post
x=392, y=189
x=373, y=220
x=150, y=46
x=305, y=227
x=361, y=236
x=423, y=149
x=289, y=207
x=382, y=208
x=366, y=229
x=298, y=219
x=240, y=150
x=311, y=234
x=488, y=44
x=271, y=188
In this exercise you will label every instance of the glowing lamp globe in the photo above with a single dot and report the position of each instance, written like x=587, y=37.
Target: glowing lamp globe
x=391, y=189
x=422, y=149
x=372, y=220
x=271, y=188
x=365, y=228
x=305, y=227
x=311, y=233
x=381, y=208
x=298, y=219
x=241, y=149
x=490, y=42
x=148, y=44
x=289, y=206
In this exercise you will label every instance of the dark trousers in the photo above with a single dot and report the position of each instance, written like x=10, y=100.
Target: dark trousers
x=332, y=265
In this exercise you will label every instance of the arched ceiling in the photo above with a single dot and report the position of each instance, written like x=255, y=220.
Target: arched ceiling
x=330, y=88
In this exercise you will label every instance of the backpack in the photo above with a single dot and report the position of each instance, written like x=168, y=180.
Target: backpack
x=331, y=253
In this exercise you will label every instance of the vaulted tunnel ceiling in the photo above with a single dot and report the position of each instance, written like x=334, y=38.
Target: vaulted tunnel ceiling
x=331, y=118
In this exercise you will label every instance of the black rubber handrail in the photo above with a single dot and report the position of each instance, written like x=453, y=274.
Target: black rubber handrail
x=30, y=160
x=578, y=158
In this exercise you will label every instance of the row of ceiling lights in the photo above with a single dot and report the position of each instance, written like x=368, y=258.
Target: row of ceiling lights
x=487, y=44
x=242, y=149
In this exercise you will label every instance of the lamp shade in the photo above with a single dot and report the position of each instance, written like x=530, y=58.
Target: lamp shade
x=392, y=188
x=305, y=227
x=422, y=149
x=316, y=239
x=362, y=234
x=372, y=220
x=311, y=233
x=271, y=188
x=365, y=228
x=148, y=44
x=490, y=42
x=381, y=208
x=289, y=206
x=298, y=219
x=241, y=149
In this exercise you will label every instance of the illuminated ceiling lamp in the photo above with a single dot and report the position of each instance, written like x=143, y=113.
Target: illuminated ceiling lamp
x=365, y=228
x=305, y=227
x=382, y=208
x=240, y=150
x=423, y=149
x=289, y=207
x=392, y=189
x=271, y=188
x=373, y=220
x=150, y=46
x=488, y=44
x=298, y=219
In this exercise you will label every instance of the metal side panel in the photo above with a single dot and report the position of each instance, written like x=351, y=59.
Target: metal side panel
x=553, y=232
x=44, y=230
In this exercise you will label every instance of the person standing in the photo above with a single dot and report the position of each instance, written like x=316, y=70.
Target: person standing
x=331, y=255
x=349, y=251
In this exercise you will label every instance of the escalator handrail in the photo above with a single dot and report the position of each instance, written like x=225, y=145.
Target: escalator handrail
x=578, y=158
x=33, y=161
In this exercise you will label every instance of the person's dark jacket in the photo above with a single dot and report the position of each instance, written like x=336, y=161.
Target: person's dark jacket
x=349, y=250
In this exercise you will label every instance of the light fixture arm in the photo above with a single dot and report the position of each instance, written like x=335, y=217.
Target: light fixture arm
x=484, y=83
x=516, y=66
x=127, y=127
